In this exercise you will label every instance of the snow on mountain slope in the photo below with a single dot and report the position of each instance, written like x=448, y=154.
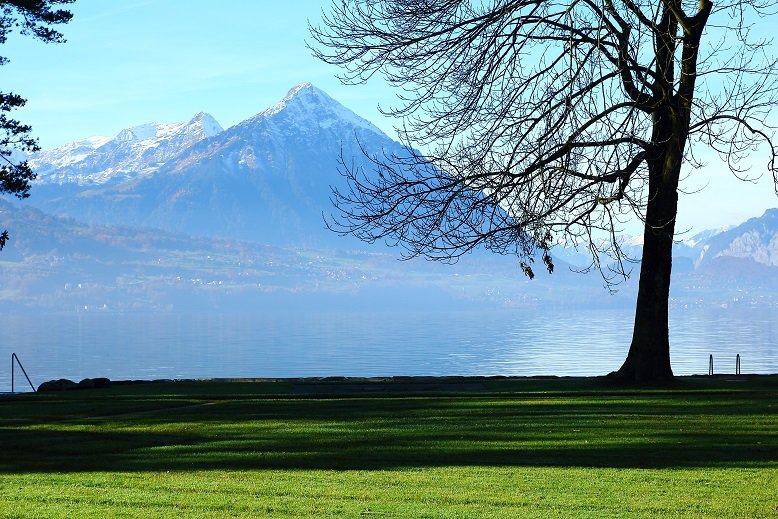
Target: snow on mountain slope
x=269, y=177
x=305, y=99
x=265, y=179
x=755, y=240
x=67, y=155
x=306, y=121
x=133, y=152
x=699, y=239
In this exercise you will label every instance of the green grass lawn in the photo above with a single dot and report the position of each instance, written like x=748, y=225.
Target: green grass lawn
x=493, y=448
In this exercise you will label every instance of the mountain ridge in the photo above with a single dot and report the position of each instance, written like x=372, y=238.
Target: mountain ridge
x=134, y=151
x=755, y=240
x=267, y=178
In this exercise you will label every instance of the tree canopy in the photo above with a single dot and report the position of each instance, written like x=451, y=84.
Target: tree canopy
x=33, y=18
x=549, y=122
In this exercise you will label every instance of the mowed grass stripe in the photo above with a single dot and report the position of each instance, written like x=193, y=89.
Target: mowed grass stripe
x=430, y=492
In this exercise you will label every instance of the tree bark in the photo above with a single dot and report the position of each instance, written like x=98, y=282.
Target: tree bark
x=648, y=360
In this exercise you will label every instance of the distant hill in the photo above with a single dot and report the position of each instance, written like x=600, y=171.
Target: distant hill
x=59, y=264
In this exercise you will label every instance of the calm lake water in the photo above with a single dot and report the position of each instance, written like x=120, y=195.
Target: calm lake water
x=550, y=342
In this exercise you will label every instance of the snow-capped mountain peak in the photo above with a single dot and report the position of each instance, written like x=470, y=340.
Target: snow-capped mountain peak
x=66, y=155
x=135, y=151
x=306, y=102
x=201, y=126
x=267, y=178
x=206, y=123
x=145, y=132
x=143, y=149
x=302, y=94
x=755, y=239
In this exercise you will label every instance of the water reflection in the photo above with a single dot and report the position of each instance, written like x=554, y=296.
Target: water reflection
x=552, y=342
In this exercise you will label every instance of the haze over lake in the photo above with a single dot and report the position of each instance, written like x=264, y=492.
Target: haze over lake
x=521, y=342
x=137, y=253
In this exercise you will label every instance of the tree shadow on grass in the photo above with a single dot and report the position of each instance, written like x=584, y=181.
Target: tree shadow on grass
x=388, y=433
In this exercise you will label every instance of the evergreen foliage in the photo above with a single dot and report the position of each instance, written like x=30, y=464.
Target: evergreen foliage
x=33, y=18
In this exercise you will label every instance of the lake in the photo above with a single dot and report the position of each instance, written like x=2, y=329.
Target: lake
x=519, y=342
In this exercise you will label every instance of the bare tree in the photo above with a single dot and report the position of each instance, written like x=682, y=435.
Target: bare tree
x=549, y=121
x=33, y=18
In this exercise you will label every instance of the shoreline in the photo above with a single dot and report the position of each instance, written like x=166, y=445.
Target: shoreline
x=415, y=384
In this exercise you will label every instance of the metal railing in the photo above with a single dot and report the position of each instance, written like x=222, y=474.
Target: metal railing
x=14, y=357
x=737, y=364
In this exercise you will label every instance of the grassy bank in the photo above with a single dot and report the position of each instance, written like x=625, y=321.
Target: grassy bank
x=429, y=448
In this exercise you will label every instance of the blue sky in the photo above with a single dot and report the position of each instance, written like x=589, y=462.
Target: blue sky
x=133, y=62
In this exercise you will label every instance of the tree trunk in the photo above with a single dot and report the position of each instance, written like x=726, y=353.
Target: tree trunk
x=648, y=360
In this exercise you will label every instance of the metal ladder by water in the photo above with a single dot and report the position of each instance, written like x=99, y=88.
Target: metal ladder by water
x=737, y=365
x=14, y=357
